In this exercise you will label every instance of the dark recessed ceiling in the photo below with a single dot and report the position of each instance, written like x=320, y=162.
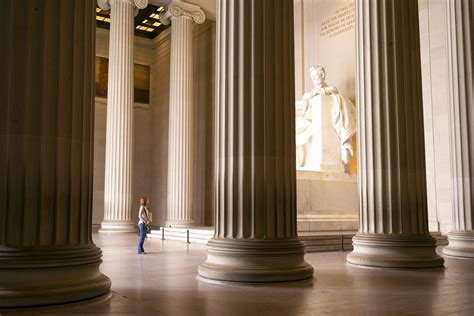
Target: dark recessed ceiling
x=147, y=22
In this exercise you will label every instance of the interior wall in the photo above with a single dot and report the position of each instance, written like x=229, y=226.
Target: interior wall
x=204, y=68
x=160, y=78
x=150, y=140
x=142, y=157
x=336, y=44
x=434, y=61
x=204, y=102
x=325, y=35
x=142, y=135
x=306, y=39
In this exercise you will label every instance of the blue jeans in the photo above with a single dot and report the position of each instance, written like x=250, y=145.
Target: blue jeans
x=142, y=228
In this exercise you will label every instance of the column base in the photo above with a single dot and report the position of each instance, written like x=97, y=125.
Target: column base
x=394, y=251
x=46, y=277
x=461, y=245
x=180, y=223
x=441, y=240
x=255, y=261
x=118, y=227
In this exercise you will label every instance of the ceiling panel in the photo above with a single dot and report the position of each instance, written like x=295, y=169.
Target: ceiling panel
x=147, y=22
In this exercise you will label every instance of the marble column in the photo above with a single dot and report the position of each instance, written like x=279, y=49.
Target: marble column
x=182, y=17
x=119, y=132
x=393, y=224
x=460, y=60
x=255, y=229
x=46, y=153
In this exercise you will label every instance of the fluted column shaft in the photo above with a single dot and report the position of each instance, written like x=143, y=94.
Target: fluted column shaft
x=460, y=59
x=119, y=133
x=46, y=153
x=182, y=17
x=393, y=229
x=255, y=236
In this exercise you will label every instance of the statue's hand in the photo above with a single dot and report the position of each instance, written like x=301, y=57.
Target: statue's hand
x=301, y=106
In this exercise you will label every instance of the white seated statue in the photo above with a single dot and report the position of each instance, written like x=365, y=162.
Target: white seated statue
x=325, y=124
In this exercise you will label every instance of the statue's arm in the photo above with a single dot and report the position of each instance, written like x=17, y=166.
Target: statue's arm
x=300, y=108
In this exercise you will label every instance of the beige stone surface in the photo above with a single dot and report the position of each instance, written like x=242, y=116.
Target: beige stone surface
x=204, y=100
x=100, y=114
x=326, y=201
x=336, y=53
x=334, y=196
x=336, y=48
x=160, y=105
x=303, y=195
x=434, y=55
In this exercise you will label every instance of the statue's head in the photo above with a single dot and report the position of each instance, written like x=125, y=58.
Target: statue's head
x=318, y=75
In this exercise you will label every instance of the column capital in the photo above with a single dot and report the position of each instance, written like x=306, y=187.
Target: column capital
x=139, y=4
x=183, y=9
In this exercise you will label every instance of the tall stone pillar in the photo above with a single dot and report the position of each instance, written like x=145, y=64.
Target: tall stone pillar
x=460, y=60
x=182, y=17
x=255, y=230
x=46, y=153
x=119, y=132
x=393, y=228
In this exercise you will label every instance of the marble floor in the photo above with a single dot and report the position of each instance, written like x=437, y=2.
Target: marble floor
x=164, y=282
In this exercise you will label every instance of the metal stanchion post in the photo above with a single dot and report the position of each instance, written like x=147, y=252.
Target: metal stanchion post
x=162, y=233
x=187, y=236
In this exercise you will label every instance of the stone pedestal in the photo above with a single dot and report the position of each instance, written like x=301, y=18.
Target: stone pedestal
x=460, y=61
x=119, y=134
x=46, y=140
x=255, y=238
x=327, y=202
x=393, y=224
x=182, y=16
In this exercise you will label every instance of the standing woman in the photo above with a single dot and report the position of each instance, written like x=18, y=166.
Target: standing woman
x=142, y=223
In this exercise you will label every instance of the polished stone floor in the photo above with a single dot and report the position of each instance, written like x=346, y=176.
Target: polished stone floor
x=164, y=282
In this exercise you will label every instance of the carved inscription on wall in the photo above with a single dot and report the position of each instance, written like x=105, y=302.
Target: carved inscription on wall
x=343, y=20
